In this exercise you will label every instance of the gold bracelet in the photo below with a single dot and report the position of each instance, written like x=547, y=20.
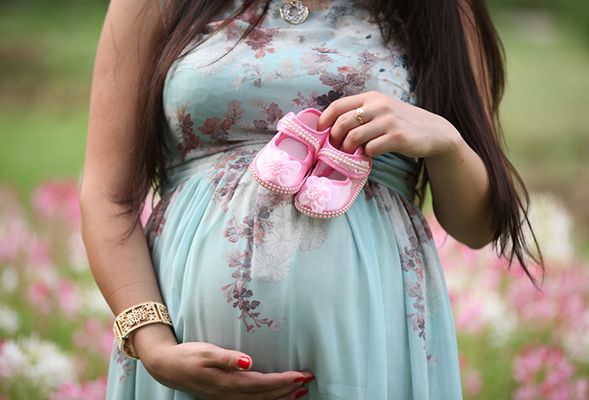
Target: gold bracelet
x=134, y=318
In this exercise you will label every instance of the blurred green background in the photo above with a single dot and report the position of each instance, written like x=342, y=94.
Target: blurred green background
x=47, y=49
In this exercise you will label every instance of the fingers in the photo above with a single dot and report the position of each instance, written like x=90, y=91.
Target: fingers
x=345, y=132
x=251, y=381
x=362, y=134
x=378, y=145
x=293, y=391
x=337, y=108
x=296, y=394
x=218, y=357
x=343, y=125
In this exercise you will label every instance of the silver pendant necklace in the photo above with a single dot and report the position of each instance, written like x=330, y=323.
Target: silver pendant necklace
x=294, y=12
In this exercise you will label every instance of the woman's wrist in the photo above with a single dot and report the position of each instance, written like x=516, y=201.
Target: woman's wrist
x=148, y=339
x=458, y=175
x=451, y=144
x=135, y=317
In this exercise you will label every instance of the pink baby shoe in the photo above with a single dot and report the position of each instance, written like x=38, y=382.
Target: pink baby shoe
x=334, y=183
x=281, y=165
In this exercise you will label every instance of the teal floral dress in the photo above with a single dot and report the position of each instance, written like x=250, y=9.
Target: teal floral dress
x=361, y=299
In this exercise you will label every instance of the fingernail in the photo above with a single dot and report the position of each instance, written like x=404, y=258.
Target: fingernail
x=300, y=379
x=244, y=362
x=309, y=379
x=301, y=393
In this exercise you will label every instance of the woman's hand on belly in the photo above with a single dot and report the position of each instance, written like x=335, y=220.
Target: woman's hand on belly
x=211, y=372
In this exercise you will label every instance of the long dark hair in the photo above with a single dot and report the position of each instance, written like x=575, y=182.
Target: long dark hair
x=433, y=33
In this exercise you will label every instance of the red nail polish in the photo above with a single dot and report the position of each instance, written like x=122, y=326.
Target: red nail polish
x=300, y=379
x=301, y=393
x=244, y=362
x=309, y=379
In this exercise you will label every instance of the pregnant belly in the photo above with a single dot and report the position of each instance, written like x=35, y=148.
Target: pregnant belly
x=248, y=272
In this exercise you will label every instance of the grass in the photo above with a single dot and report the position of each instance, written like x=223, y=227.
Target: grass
x=47, y=52
x=545, y=112
x=40, y=146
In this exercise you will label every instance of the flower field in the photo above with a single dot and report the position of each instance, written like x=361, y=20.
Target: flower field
x=516, y=342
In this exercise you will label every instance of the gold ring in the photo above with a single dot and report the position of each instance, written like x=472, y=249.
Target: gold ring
x=359, y=114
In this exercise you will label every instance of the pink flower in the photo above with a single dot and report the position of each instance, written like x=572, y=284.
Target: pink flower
x=469, y=314
x=58, y=200
x=582, y=388
x=276, y=165
x=317, y=194
x=91, y=390
x=526, y=393
x=14, y=229
x=68, y=298
x=545, y=372
x=39, y=254
x=95, y=336
x=472, y=382
x=38, y=295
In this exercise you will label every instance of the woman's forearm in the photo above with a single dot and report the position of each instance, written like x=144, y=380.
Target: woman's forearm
x=460, y=191
x=122, y=268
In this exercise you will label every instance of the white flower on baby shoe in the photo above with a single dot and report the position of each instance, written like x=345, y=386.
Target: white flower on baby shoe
x=276, y=166
x=316, y=196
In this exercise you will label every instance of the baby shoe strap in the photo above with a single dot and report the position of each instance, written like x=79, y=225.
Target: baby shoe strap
x=352, y=166
x=292, y=126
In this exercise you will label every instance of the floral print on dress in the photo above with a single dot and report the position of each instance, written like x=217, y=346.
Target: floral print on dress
x=156, y=221
x=411, y=261
x=189, y=140
x=265, y=237
x=126, y=365
x=218, y=128
x=250, y=229
x=309, y=76
x=226, y=174
x=259, y=39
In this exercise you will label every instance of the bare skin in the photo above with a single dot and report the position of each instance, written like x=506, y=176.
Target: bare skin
x=123, y=269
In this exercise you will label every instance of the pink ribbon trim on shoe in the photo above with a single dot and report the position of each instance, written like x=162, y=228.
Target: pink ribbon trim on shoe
x=291, y=126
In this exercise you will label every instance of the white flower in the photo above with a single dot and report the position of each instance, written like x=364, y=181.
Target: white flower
x=271, y=265
x=271, y=259
x=576, y=341
x=8, y=279
x=12, y=360
x=313, y=233
x=501, y=320
x=77, y=253
x=92, y=301
x=9, y=321
x=47, y=366
x=552, y=226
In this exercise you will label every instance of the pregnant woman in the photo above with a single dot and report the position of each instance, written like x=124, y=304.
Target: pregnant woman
x=229, y=291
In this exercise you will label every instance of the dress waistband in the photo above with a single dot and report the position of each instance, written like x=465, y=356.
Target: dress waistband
x=391, y=170
x=396, y=172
